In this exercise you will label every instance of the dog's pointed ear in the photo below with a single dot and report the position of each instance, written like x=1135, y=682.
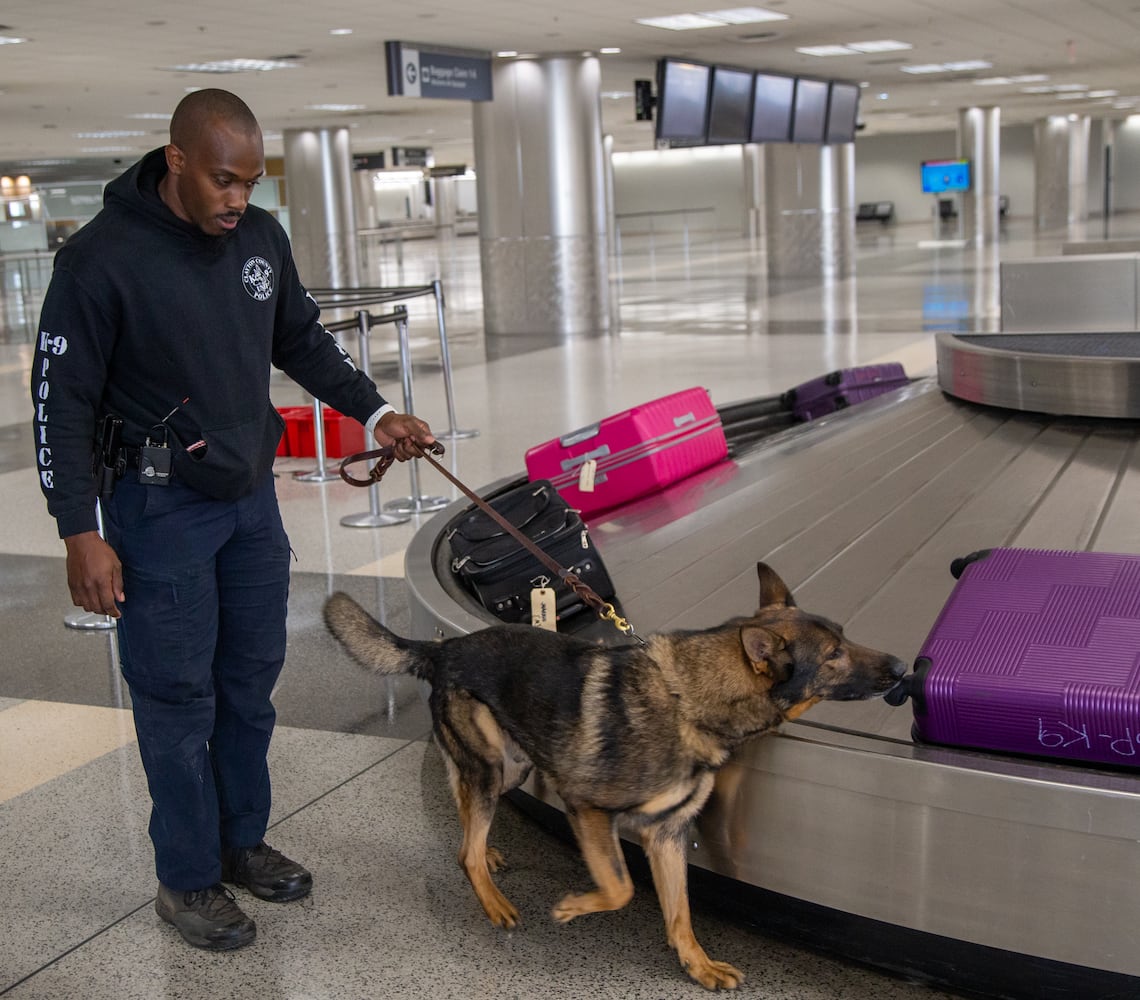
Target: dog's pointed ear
x=767, y=652
x=773, y=590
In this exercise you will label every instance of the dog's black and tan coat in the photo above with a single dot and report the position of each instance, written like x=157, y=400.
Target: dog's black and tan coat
x=631, y=736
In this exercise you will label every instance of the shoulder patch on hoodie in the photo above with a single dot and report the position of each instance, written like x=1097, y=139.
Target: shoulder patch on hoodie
x=257, y=277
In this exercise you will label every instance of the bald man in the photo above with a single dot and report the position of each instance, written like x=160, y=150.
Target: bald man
x=160, y=326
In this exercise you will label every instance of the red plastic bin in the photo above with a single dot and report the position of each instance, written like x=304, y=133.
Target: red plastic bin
x=343, y=435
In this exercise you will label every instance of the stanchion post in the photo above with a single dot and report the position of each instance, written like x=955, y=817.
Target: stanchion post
x=416, y=503
x=320, y=474
x=445, y=358
x=375, y=518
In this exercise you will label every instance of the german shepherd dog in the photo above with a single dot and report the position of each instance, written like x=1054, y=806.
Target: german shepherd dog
x=631, y=735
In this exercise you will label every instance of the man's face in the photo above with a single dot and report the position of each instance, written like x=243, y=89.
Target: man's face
x=210, y=183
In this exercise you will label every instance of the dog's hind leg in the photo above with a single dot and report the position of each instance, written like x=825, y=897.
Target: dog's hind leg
x=475, y=769
x=665, y=847
x=597, y=836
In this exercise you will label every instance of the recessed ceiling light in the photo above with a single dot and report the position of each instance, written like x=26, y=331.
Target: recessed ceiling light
x=340, y=31
x=108, y=149
x=9, y=40
x=335, y=107
x=156, y=115
x=826, y=50
x=507, y=54
x=1063, y=87
x=712, y=18
x=610, y=51
x=881, y=45
x=234, y=66
x=963, y=66
x=110, y=134
x=967, y=64
x=744, y=15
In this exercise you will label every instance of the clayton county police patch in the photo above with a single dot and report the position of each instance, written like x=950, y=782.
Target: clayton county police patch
x=257, y=276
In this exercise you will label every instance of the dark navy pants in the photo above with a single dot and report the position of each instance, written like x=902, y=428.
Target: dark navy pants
x=202, y=642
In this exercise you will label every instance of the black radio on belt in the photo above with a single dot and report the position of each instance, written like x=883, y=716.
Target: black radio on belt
x=155, y=458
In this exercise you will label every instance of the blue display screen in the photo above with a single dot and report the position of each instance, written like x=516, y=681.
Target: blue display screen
x=939, y=176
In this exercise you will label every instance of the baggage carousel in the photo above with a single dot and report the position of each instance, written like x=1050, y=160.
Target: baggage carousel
x=998, y=875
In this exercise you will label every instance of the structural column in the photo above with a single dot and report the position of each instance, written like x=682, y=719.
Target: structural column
x=1060, y=163
x=979, y=141
x=808, y=210
x=541, y=192
x=322, y=225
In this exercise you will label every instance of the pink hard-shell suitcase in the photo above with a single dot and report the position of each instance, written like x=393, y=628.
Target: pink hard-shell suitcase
x=1035, y=652
x=637, y=452
x=839, y=389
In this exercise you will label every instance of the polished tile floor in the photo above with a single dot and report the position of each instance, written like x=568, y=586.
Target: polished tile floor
x=360, y=793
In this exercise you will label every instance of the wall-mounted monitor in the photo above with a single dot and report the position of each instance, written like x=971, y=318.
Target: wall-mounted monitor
x=773, y=100
x=809, y=121
x=682, y=99
x=842, y=112
x=730, y=106
x=942, y=176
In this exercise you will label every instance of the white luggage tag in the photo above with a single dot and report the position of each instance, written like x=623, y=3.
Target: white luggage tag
x=544, y=608
x=586, y=475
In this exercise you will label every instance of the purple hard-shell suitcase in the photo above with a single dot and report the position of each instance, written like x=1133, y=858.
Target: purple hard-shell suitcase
x=840, y=389
x=1036, y=652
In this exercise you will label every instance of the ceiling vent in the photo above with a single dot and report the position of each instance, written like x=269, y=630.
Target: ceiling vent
x=757, y=36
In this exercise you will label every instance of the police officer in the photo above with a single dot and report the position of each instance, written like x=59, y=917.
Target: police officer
x=161, y=324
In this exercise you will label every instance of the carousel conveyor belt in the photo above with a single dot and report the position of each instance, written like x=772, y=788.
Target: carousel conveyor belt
x=999, y=875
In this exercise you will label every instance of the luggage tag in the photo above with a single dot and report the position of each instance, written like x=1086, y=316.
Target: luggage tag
x=155, y=459
x=543, y=606
x=586, y=475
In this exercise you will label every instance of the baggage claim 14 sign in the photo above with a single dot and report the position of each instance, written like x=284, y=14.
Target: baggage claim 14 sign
x=456, y=74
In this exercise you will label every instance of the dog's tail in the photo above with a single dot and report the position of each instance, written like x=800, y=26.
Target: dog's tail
x=371, y=644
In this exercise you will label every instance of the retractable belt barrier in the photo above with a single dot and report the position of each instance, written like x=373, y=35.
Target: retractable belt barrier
x=395, y=511
x=350, y=298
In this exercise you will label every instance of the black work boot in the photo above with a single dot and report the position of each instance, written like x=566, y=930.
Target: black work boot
x=267, y=873
x=206, y=918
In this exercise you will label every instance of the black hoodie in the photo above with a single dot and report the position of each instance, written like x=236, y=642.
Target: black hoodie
x=145, y=315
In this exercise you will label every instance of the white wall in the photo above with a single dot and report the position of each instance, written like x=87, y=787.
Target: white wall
x=704, y=187
x=669, y=189
x=887, y=169
x=1126, y=169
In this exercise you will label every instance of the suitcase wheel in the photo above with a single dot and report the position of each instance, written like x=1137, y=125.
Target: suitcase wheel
x=958, y=566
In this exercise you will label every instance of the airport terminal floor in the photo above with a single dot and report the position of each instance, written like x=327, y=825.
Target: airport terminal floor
x=360, y=794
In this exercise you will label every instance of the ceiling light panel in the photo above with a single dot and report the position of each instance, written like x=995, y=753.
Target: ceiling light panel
x=712, y=18
x=234, y=66
x=881, y=45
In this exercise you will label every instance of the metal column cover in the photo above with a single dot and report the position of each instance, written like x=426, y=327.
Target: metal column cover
x=979, y=141
x=1060, y=171
x=802, y=209
x=541, y=195
x=318, y=183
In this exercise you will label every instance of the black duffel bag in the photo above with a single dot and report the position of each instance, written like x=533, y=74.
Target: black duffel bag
x=501, y=573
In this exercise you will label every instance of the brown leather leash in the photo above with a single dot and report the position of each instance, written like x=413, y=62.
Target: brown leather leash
x=386, y=456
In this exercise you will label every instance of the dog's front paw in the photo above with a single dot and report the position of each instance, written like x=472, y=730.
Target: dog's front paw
x=715, y=975
x=500, y=911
